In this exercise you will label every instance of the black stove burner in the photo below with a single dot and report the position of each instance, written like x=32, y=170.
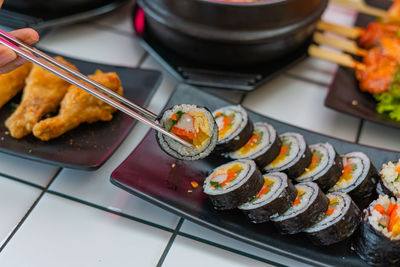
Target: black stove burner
x=200, y=74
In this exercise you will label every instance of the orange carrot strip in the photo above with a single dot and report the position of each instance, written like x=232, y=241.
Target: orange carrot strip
x=394, y=217
x=390, y=208
x=379, y=208
x=330, y=211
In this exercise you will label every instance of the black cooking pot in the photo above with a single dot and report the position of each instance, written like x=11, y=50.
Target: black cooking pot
x=40, y=7
x=225, y=33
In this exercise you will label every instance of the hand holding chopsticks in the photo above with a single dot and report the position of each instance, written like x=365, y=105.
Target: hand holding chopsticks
x=76, y=78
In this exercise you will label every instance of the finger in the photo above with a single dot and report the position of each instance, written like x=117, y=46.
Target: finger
x=1, y=2
x=19, y=61
x=6, y=55
x=26, y=35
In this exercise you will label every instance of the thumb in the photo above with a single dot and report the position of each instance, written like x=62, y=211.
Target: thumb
x=1, y=2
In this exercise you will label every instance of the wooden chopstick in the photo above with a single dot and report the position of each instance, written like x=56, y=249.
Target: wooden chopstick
x=68, y=75
x=350, y=32
x=362, y=7
x=339, y=58
x=342, y=44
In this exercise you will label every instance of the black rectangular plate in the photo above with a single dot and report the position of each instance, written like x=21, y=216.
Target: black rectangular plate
x=344, y=93
x=168, y=187
x=89, y=145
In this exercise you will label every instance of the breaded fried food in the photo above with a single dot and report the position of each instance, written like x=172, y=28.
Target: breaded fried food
x=42, y=94
x=78, y=107
x=13, y=82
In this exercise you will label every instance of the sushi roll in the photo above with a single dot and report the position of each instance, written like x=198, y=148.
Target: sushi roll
x=309, y=206
x=233, y=184
x=389, y=182
x=234, y=128
x=377, y=241
x=193, y=124
x=263, y=146
x=325, y=168
x=294, y=156
x=358, y=179
x=339, y=222
x=276, y=196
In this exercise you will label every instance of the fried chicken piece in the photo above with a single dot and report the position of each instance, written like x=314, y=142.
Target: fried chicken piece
x=13, y=82
x=78, y=107
x=42, y=94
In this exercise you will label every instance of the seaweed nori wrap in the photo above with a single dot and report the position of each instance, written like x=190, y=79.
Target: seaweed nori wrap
x=233, y=184
x=326, y=167
x=359, y=179
x=373, y=243
x=381, y=189
x=263, y=146
x=275, y=197
x=235, y=128
x=310, y=205
x=193, y=124
x=339, y=222
x=294, y=156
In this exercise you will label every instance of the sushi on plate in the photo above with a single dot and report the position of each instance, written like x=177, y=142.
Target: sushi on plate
x=294, y=156
x=377, y=241
x=358, y=179
x=263, y=147
x=233, y=184
x=275, y=197
x=307, y=209
x=234, y=128
x=325, y=168
x=339, y=222
x=389, y=182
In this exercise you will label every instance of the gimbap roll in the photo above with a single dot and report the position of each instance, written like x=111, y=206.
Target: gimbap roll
x=378, y=239
x=339, y=222
x=325, y=168
x=358, y=179
x=263, y=146
x=294, y=156
x=193, y=124
x=233, y=184
x=309, y=206
x=234, y=128
x=390, y=179
x=275, y=197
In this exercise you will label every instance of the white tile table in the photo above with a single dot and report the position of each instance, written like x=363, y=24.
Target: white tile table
x=63, y=217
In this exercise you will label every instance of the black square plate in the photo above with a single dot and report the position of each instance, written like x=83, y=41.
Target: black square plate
x=168, y=186
x=344, y=93
x=89, y=145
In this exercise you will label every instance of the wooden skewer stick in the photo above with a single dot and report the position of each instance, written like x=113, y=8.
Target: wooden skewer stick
x=362, y=7
x=350, y=32
x=339, y=58
x=342, y=44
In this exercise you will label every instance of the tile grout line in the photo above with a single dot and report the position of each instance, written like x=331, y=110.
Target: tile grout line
x=124, y=215
x=142, y=59
x=170, y=242
x=21, y=181
x=303, y=79
x=21, y=222
x=360, y=127
x=239, y=252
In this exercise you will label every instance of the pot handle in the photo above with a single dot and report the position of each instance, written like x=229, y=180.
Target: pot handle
x=219, y=79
